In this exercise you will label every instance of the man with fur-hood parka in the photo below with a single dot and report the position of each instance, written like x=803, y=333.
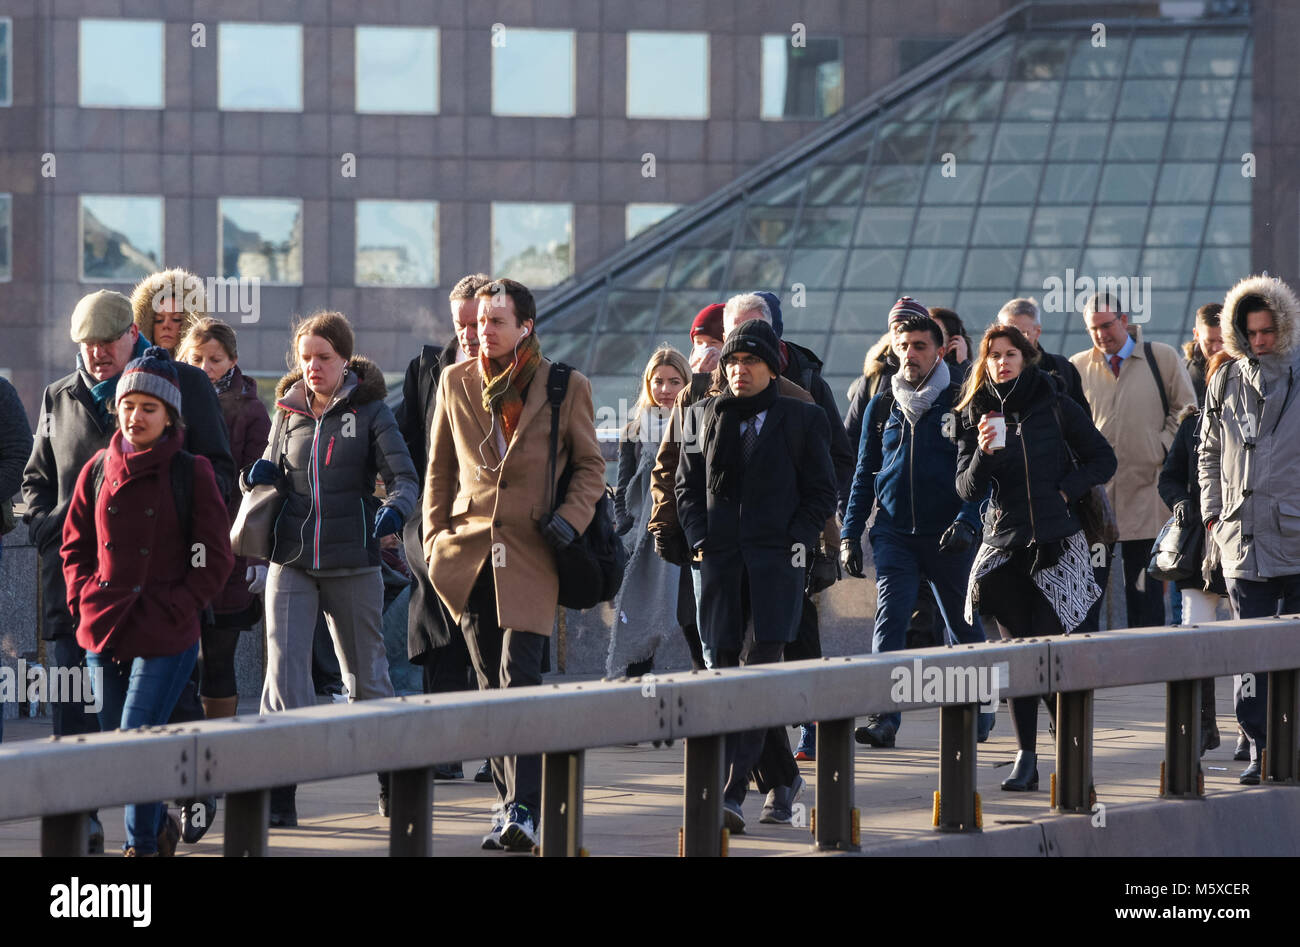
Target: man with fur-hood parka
x=1250, y=449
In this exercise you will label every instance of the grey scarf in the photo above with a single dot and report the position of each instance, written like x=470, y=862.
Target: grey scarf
x=914, y=402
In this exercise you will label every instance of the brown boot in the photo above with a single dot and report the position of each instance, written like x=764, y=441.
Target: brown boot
x=214, y=707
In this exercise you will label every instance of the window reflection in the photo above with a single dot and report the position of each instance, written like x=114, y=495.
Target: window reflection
x=644, y=216
x=121, y=237
x=667, y=75
x=397, y=69
x=532, y=73
x=532, y=243
x=6, y=244
x=802, y=81
x=260, y=66
x=396, y=243
x=261, y=237
x=121, y=63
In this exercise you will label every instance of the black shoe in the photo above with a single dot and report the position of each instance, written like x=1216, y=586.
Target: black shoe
x=986, y=723
x=875, y=734
x=284, y=807
x=1242, y=753
x=1024, y=775
x=94, y=835
x=484, y=774
x=1250, y=777
x=196, y=818
x=1210, y=738
x=448, y=771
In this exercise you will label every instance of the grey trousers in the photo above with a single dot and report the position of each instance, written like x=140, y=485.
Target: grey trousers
x=353, y=607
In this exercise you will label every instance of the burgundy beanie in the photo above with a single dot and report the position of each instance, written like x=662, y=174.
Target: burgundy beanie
x=709, y=321
x=907, y=308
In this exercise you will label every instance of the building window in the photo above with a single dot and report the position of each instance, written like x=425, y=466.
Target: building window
x=533, y=243
x=397, y=69
x=802, y=81
x=121, y=64
x=259, y=67
x=262, y=238
x=6, y=61
x=644, y=216
x=121, y=237
x=397, y=243
x=533, y=73
x=667, y=75
x=913, y=52
x=6, y=244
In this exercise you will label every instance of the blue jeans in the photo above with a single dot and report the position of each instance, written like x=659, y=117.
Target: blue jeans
x=903, y=561
x=141, y=693
x=1251, y=599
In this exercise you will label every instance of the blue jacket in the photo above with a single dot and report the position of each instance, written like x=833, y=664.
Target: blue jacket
x=910, y=471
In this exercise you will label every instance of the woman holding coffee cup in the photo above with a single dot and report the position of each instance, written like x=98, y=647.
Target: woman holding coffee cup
x=1019, y=437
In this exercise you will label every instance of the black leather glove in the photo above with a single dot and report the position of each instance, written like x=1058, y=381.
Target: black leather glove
x=823, y=572
x=671, y=547
x=851, y=557
x=558, y=532
x=957, y=539
x=1183, y=512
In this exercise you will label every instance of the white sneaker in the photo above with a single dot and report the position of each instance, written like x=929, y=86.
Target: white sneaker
x=492, y=841
x=520, y=832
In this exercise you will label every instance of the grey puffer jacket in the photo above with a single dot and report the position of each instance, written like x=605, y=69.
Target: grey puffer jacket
x=329, y=466
x=1250, y=442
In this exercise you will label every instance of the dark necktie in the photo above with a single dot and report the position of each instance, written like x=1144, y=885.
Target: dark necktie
x=749, y=438
x=1114, y=365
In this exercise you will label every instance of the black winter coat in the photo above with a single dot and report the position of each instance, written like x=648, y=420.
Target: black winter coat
x=786, y=494
x=1028, y=475
x=15, y=440
x=805, y=370
x=1178, y=482
x=1067, y=376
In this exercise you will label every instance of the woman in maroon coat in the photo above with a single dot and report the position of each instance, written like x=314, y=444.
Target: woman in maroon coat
x=138, y=575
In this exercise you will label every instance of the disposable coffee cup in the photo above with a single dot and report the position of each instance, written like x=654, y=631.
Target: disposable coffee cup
x=1000, y=429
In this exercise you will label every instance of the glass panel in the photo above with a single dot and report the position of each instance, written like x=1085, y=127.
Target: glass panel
x=6, y=229
x=1126, y=183
x=1089, y=98
x=650, y=275
x=1221, y=267
x=962, y=188
x=816, y=269
x=884, y=226
x=1041, y=265
x=110, y=79
x=1184, y=183
x=698, y=268
x=397, y=69
x=619, y=353
x=6, y=62
x=261, y=238
x=572, y=348
x=1233, y=186
x=397, y=243
x=630, y=310
x=991, y=64
x=801, y=81
x=1193, y=140
x=1169, y=268
x=970, y=101
x=1136, y=140
x=785, y=191
x=1117, y=226
x=893, y=184
x=978, y=308
x=1031, y=101
x=1059, y=226
x=642, y=217
x=1040, y=58
x=1146, y=98
x=1229, y=223
x=938, y=225
x=1012, y=183
x=967, y=141
x=757, y=269
x=826, y=226
x=903, y=143
x=1112, y=261
x=1001, y=226
x=1175, y=226
x=579, y=318
x=532, y=243
x=846, y=356
x=1068, y=184
x=667, y=75
x=1157, y=55
x=767, y=227
x=1097, y=61
x=1078, y=141
x=874, y=269
x=608, y=390
x=838, y=178
x=991, y=269
x=1241, y=104
x=532, y=73
x=922, y=108
x=860, y=312
x=678, y=311
x=260, y=66
x=933, y=268
x=1238, y=140
x=1216, y=54
x=815, y=313
x=1021, y=141
x=1205, y=98
x=1247, y=58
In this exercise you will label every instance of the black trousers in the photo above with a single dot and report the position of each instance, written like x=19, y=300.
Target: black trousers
x=503, y=657
x=448, y=668
x=744, y=749
x=1011, y=596
x=1143, y=608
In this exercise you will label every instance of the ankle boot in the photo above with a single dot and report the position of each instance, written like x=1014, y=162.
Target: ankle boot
x=284, y=808
x=1024, y=775
x=216, y=707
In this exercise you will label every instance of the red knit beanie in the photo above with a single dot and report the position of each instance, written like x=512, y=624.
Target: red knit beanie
x=709, y=321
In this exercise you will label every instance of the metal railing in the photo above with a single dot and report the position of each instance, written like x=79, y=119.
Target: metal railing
x=60, y=780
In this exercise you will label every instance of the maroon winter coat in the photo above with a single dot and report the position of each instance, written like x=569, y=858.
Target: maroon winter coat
x=131, y=585
x=248, y=425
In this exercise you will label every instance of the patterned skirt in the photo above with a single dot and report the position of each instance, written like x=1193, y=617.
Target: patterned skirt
x=1069, y=585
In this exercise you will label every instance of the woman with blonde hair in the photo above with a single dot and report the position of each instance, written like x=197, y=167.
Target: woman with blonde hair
x=645, y=605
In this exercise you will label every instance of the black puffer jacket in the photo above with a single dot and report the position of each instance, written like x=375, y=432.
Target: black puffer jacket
x=1178, y=482
x=1029, y=474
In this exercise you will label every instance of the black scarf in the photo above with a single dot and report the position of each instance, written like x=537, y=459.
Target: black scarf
x=728, y=458
x=1020, y=395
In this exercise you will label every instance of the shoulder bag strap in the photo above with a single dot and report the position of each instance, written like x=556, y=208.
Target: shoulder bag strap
x=1160, y=382
x=557, y=384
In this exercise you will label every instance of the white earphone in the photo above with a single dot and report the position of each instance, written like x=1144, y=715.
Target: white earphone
x=526, y=331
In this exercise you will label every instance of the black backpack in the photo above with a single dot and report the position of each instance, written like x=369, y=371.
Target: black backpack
x=591, y=567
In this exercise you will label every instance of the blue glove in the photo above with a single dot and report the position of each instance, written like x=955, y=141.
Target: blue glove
x=387, y=522
x=263, y=472
x=558, y=532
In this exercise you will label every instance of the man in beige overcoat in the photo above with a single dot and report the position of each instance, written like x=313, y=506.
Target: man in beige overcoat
x=1136, y=409
x=490, y=534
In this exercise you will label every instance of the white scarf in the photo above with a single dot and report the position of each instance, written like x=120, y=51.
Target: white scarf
x=914, y=402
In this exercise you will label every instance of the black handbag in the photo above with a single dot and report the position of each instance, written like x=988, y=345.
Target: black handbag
x=1177, y=552
x=1093, y=508
x=591, y=567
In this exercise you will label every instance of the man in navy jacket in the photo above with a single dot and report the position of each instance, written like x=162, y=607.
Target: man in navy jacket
x=907, y=462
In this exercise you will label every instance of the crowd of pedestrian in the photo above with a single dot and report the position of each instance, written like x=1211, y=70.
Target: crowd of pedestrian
x=993, y=482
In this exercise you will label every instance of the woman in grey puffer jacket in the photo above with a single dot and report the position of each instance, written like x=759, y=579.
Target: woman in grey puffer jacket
x=332, y=435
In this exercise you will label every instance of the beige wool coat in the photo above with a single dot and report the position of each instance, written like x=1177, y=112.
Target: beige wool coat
x=474, y=514
x=1127, y=411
